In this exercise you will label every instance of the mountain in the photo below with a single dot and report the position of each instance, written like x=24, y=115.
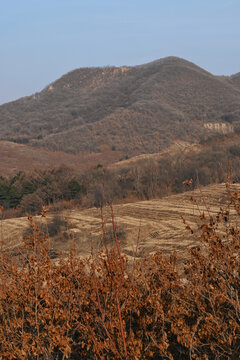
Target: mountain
x=235, y=79
x=135, y=110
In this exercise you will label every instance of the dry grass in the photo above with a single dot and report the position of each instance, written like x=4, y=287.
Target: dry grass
x=176, y=148
x=18, y=157
x=157, y=224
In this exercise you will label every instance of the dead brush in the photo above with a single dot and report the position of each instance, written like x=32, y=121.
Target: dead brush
x=98, y=309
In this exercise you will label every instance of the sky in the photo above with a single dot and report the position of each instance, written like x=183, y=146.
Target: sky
x=41, y=40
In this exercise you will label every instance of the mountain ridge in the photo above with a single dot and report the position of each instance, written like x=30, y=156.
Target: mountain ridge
x=135, y=109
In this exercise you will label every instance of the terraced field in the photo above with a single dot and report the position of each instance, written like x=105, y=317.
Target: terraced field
x=143, y=227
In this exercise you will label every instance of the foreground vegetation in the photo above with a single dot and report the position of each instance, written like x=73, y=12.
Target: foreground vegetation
x=106, y=307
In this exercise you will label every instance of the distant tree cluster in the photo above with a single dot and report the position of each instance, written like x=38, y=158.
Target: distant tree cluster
x=146, y=179
x=30, y=192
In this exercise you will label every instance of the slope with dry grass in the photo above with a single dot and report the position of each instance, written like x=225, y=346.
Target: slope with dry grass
x=19, y=157
x=144, y=227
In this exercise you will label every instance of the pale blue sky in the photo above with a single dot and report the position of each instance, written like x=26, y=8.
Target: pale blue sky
x=40, y=40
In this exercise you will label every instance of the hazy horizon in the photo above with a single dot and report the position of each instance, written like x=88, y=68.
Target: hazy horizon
x=42, y=40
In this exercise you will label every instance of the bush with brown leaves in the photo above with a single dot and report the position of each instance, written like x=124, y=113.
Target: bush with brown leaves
x=106, y=308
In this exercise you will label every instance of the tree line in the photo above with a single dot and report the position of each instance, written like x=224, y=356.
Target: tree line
x=146, y=179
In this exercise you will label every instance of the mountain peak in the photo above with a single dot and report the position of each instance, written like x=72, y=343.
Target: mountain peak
x=137, y=109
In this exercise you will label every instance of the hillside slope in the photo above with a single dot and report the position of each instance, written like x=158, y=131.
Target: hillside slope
x=18, y=157
x=144, y=227
x=235, y=79
x=141, y=109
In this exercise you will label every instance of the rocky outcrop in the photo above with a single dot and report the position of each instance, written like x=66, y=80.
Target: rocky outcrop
x=222, y=128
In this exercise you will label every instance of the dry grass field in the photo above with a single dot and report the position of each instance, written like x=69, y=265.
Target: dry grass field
x=143, y=227
x=176, y=148
x=16, y=157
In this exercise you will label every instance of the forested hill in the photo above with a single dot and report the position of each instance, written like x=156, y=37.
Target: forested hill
x=140, y=109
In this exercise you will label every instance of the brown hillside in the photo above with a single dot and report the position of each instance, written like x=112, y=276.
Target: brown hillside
x=157, y=224
x=136, y=110
x=178, y=147
x=18, y=157
x=235, y=79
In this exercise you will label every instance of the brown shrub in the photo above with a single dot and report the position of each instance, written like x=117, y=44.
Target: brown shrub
x=105, y=308
x=31, y=204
